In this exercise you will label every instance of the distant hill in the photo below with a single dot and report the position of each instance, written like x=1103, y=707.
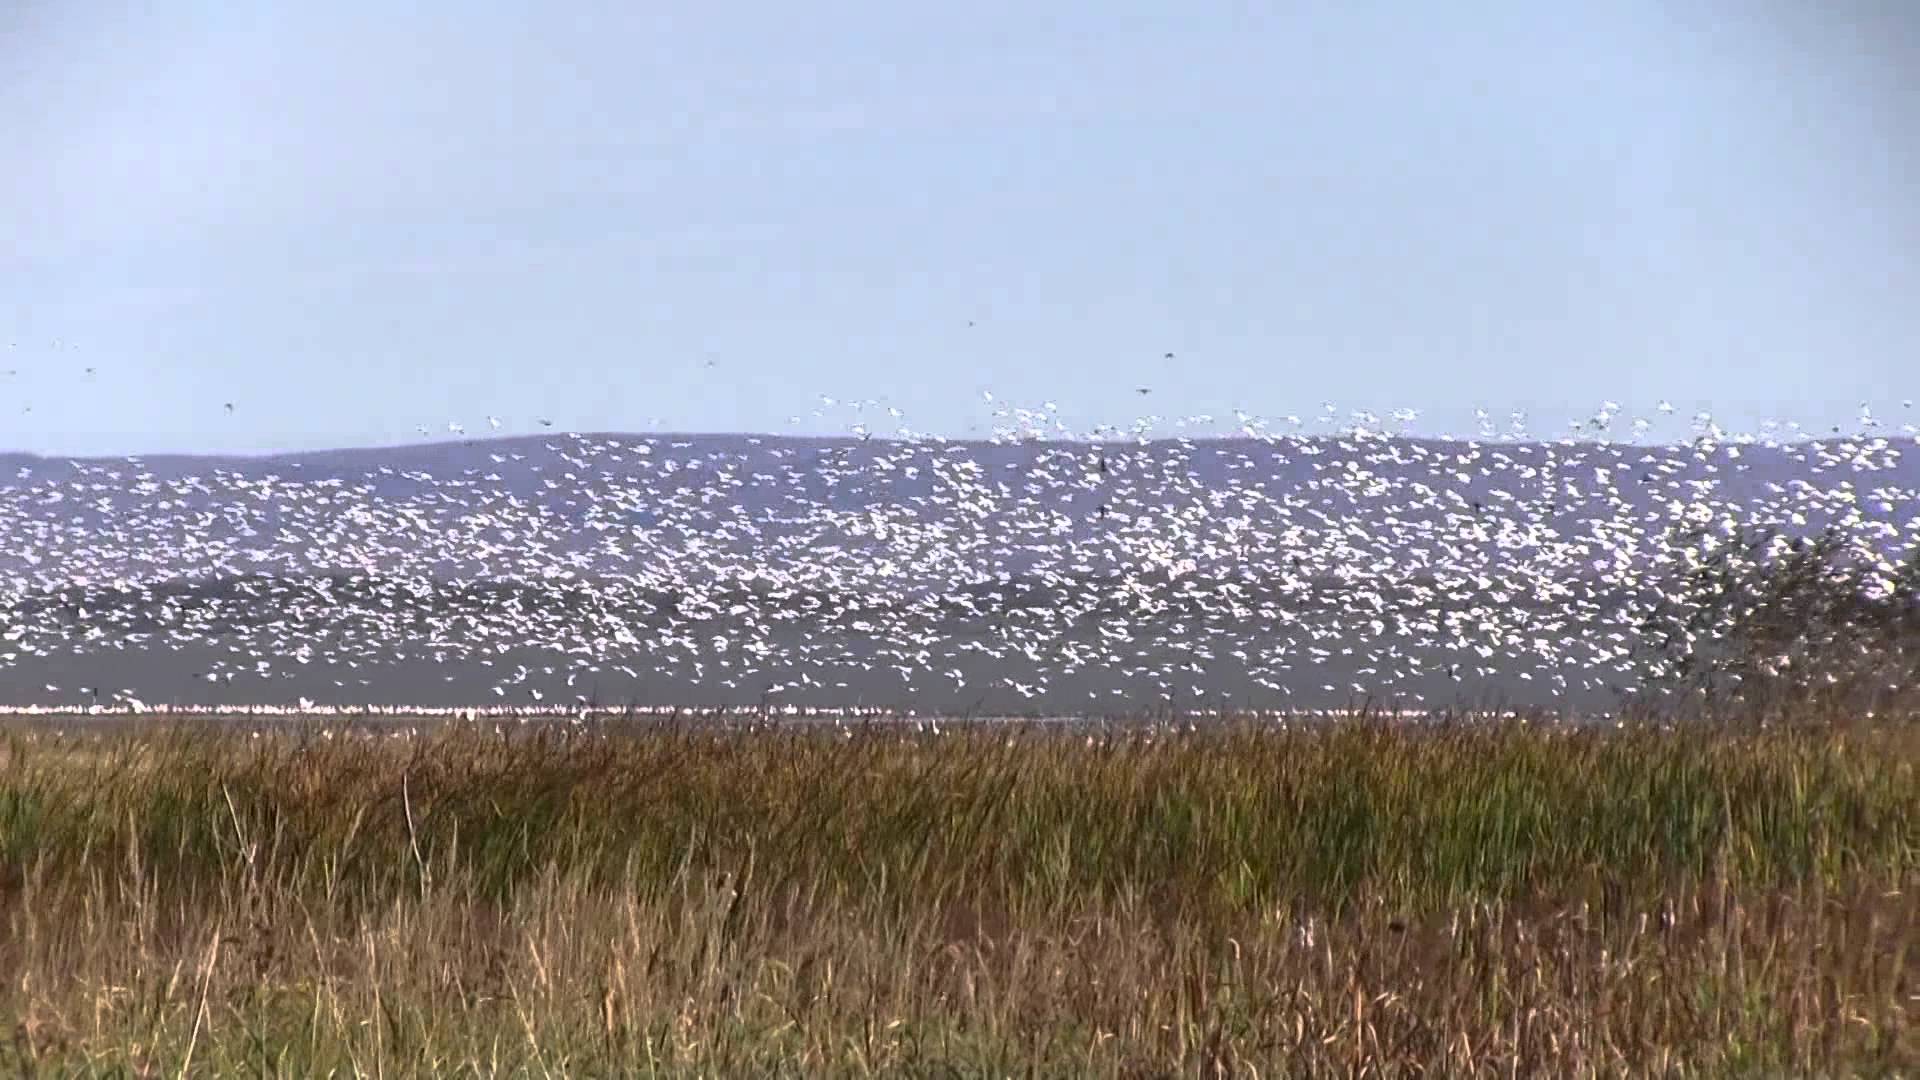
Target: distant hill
x=620, y=481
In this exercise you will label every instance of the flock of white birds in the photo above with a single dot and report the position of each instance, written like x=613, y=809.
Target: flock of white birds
x=1062, y=573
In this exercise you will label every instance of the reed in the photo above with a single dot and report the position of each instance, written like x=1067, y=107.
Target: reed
x=1452, y=899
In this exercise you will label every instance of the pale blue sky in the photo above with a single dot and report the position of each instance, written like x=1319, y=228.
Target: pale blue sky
x=351, y=219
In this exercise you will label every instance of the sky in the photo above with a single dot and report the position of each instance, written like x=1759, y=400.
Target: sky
x=355, y=222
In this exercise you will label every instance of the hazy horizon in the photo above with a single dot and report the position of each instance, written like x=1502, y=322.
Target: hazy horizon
x=351, y=224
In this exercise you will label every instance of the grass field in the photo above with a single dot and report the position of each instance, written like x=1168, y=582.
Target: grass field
x=1471, y=899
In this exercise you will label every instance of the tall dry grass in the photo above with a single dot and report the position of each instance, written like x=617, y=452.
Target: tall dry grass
x=1363, y=899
